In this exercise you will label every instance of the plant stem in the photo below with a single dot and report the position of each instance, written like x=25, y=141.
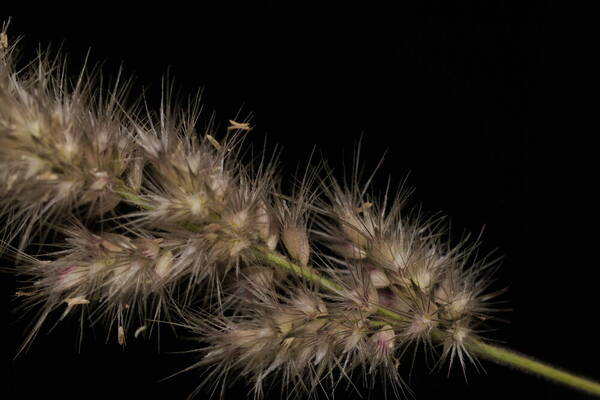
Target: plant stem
x=489, y=352
x=131, y=197
x=510, y=358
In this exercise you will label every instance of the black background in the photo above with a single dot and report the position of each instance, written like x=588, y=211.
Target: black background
x=462, y=99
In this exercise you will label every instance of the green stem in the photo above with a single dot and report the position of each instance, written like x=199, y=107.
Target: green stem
x=276, y=259
x=510, y=358
x=133, y=198
x=489, y=352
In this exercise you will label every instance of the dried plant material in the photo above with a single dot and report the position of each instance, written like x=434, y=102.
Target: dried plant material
x=3, y=40
x=21, y=293
x=243, y=126
x=364, y=207
x=214, y=142
x=121, y=335
x=73, y=301
x=139, y=331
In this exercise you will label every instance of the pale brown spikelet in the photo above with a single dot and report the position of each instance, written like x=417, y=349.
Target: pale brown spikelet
x=295, y=216
x=295, y=239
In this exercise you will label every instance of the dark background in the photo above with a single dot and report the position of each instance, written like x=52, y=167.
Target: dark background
x=462, y=99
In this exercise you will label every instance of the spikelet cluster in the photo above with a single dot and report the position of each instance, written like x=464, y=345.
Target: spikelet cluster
x=70, y=154
x=63, y=147
x=111, y=278
x=395, y=282
x=322, y=287
x=200, y=197
x=304, y=340
x=411, y=267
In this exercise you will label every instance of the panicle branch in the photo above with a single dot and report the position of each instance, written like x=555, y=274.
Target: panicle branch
x=378, y=282
x=155, y=222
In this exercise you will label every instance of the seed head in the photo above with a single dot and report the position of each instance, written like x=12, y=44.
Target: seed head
x=373, y=279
